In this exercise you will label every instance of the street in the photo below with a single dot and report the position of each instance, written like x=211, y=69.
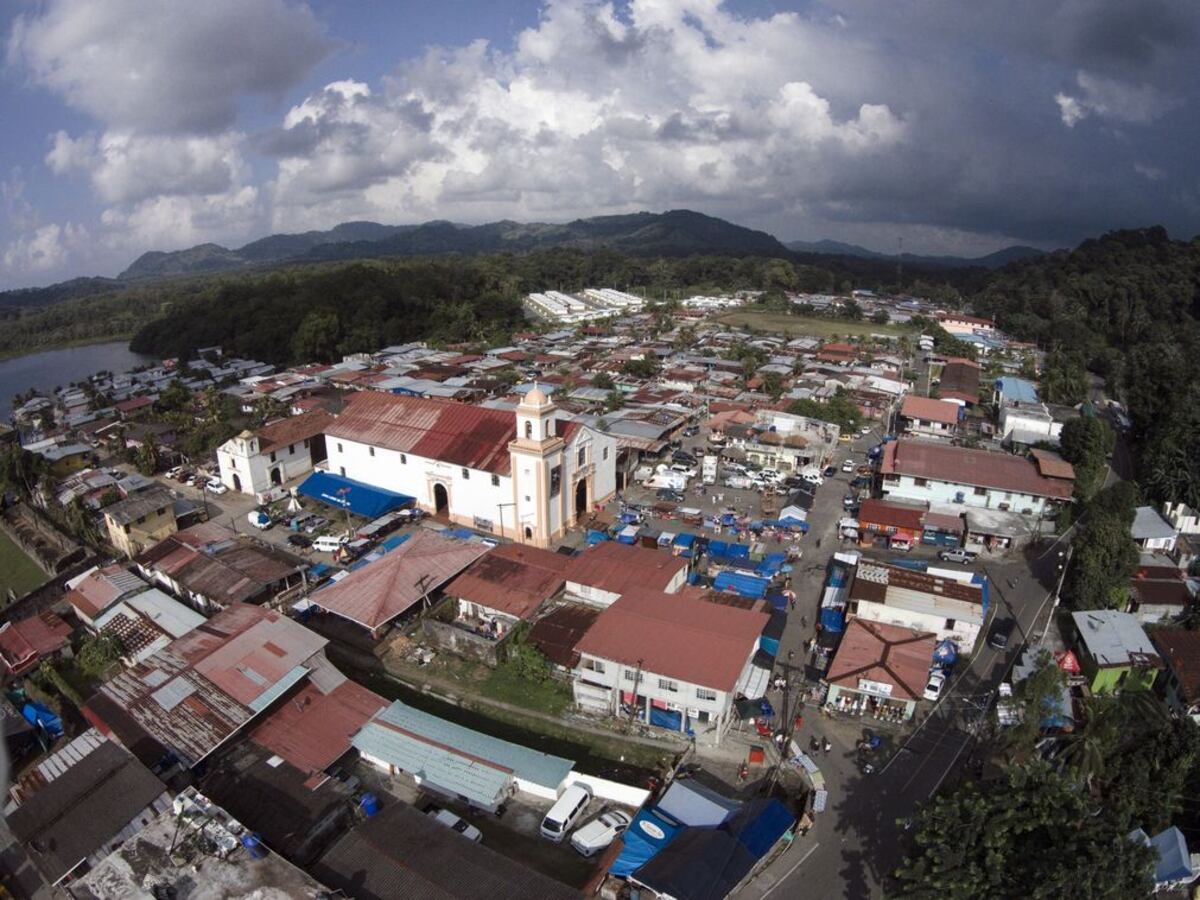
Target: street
x=857, y=842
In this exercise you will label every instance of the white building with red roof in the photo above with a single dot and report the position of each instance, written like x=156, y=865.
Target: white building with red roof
x=927, y=417
x=527, y=475
x=677, y=659
x=280, y=451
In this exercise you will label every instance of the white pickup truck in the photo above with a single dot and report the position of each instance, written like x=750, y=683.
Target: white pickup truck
x=708, y=469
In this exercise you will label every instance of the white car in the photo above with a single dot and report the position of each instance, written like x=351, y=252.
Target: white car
x=450, y=820
x=848, y=466
x=215, y=487
x=597, y=834
x=933, y=688
x=866, y=429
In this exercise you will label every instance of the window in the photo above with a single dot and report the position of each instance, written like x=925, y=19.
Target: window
x=705, y=694
x=495, y=481
x=596, y=666
x=950, y=623
x=291, y=449
x=403, y=460
x=555, y=480
x=980, y=492
x=370, y=451
x=466, y=473
x=604, y=455
x=631, y=675
x=339, y=446
x=666, y=684
x=583, y=456
x=528, y=430
x=272, y=456
x=307, y=443
x=342, y=470
x=920, y=482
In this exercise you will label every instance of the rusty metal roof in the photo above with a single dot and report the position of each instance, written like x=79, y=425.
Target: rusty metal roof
x=456, y=433
x=512, y=579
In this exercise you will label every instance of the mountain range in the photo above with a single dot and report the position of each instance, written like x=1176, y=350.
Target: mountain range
x=995, y=260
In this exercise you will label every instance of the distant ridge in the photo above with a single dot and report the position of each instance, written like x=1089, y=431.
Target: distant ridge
x=995, y=260
x=679, y=232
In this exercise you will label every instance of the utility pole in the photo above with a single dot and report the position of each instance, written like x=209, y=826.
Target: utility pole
x=1066, y=561
x=342, y=492
x=637, y=680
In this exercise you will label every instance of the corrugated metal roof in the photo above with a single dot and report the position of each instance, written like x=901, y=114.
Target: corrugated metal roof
x=476, y=748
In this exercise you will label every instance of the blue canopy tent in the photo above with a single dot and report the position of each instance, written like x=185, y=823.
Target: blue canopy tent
x=346, y=493
x=833, y=619
x=628, y=535
x=771, y=563
x=43, y=717
x=945, y=653
x=777, y=600
x=743, y=584
x=646, y=835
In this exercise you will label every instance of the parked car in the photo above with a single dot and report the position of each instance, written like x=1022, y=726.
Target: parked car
x=684, y=457
x=850, y=501
x=686, y=471
x=829, y=472
x=846, y=438
x=669, y=495
x=566, y=811
x=175, y=472
x=300, y=541
x=865, y=430
x=848, y=466
x=597, y=834
x=957, y=555
x=691, y=431
x=455, y=823
x=316, y=523
x=214, y=486
x=328, y=543
x=259, y=518
x=861, y=481
x=933, y=687
x=1002, y=630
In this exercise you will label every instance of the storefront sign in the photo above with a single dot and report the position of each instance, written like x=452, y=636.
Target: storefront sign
x=874, y=687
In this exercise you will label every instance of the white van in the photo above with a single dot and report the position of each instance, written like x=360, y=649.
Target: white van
x=327, y=543
x=566, y=811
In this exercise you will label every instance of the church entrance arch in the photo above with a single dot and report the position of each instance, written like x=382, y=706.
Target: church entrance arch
x=441, y=500
x=581, y=500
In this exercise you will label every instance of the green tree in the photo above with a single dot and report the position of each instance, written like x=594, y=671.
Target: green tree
x=880, y=317
x=317, y=336
x=604, y=382
x=1086, y=443
x=614, y=401
x=647, y=367
x=98, y=653
x=1104, y=555
x=175, y=397
x=1037, y=697
x=772, y=385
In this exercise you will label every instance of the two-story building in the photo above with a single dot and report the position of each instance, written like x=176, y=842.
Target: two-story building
x=601, y=574
x=1114, y=651
x=141, y=520
x=528, y=475
x=674, y=660
x=938, y=604
x=940, y=474
x=1179, y=682
x=879, y=670
x=280, y=451
x=926, y=417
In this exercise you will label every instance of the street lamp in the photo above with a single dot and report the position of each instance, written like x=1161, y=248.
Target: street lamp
x=342, y=492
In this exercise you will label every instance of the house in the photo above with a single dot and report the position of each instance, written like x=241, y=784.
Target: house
x=938, y=473
x=946, y=607
x=677, y=659
x=959, y=324
x=146, y=622
x=96, y=590
x=1151, y=531
x=895, y=525
x=81, y=803
x=210, y=568
x=280, y=451
x=880, y=669
x=379, y=592
x=1158, y=590
x=926, y=417
x=1179, y=682
x=1028, y=424
x=202, y=689
x=1174, y=866
x=528, y=475
x=557, y=633
x=140, y=520
x=506, y=586
x=401, y=853
x=1114, y=651
x=456, y=761
x=602, y=573
x=24, y=643
x=959, y=382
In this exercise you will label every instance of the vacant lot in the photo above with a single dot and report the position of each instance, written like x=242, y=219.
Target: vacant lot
x=799, y=326
x=17, y=571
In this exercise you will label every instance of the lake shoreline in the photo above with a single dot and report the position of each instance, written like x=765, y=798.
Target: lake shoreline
x=66, y=345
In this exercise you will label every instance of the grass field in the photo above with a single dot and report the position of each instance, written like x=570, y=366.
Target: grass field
x=17, y=571
x=801, y=326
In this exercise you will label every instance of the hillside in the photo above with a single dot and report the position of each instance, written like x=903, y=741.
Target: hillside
x=995, y=260
x=674, y=233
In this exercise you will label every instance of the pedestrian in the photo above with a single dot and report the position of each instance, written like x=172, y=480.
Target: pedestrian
x=828, y=746
x=792, y=603
x=803, y=620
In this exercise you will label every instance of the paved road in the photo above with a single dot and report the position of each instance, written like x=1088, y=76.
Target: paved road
x=856, y=843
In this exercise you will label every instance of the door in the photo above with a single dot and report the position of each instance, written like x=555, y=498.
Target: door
x=237, y=482
x=276, y=477
x=441, y=500
x=581, y=500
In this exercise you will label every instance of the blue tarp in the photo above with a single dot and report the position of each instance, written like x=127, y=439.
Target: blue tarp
x=833, y=620
x=981, y=580
x=837, y=578
x=916, y=565
x=685, y=540
x=391, y=543
x=742, y=583
x=667, y=718
x=462, y=534
x=758, y=826
x=772, y=563
x=769, y=644
x=42, y=717
x=789, y=522
x=726, y=550
x=777, y=600
x=628, y=535
x=1174, y=861
x=647, y=834
x=596, y=537
x=362, y=499
x=945, y=653
x=628, y=518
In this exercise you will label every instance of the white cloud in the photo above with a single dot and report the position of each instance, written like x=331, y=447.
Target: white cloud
x=169, y=223
x=1108, y=98
x=170, y=65
x=44, y=249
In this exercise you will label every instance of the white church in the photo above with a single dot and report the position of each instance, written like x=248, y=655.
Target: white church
x=527, y=476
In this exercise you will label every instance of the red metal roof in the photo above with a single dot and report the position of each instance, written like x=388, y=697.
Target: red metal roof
x=24, y=643
x=978, y=468
x=311, y=729
x=435, y=429
x=929, y=410
x=1181, y=649
x=887, y=654
x=677, y=636
x=882, y=514
x=615, y=567
x=292, y=430
x=512, y=579
x=378, y=592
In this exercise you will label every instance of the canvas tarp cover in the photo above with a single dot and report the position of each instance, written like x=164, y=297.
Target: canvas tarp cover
x=646, y=835
x=691, y=803
x=346, y=493
x=744, y=585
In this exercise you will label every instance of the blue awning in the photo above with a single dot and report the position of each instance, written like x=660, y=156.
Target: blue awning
x=361, y=499
x=742, y=584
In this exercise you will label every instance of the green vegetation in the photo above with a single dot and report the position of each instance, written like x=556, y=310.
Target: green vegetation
x=1086, y=443
x=839, y=410
x=759, y=320
x=647, y=367
x=18, y=573
x=1104, y=555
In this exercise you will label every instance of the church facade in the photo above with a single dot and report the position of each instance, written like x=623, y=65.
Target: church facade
x=526, y=476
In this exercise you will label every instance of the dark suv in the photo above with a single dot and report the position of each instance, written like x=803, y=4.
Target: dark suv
x=1002, y=630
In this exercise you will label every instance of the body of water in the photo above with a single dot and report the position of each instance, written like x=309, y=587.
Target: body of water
x=57, y=368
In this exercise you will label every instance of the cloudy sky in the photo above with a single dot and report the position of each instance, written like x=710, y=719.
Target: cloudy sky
x=957, y=127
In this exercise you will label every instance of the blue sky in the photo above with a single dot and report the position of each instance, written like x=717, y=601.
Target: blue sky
x=960, y=128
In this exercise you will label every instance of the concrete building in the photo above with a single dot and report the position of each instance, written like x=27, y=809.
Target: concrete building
x=1114, y=651
x=926, y=417
x=528, y=475
x=1179, y=682
x=939, y=474
x=919, y=601
x=1028, y=424
x=677, y=660
x=1151, y=531
x=601, y=574
x=879, y=670
x=140, y=520
x=280, y=451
